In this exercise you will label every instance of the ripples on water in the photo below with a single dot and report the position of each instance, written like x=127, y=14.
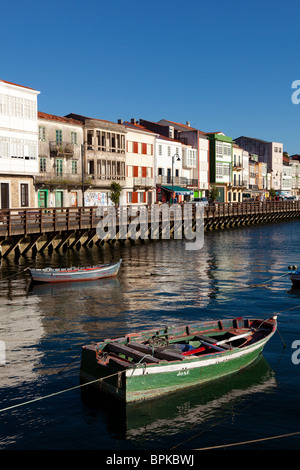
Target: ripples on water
x=159, y=283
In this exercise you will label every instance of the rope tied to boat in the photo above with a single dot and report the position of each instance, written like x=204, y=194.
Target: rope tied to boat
x=14, y=274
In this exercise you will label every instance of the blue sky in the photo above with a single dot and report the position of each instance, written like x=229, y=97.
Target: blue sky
x=224, y=66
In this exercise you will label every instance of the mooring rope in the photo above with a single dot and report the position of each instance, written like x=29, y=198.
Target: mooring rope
x=270, y=280
x=56, y=393
x=12, y=275
x=249, y=442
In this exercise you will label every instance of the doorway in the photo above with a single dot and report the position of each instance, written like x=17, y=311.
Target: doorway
x=4, y=195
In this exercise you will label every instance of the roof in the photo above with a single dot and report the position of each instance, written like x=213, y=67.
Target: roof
x=252, y=138
x=136, y=126
x=176, y=141
x=52, y=117
x=81, y=118
x=15, y=84
x=185, y=126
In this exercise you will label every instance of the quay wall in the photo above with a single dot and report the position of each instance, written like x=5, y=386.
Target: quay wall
x=35, y=230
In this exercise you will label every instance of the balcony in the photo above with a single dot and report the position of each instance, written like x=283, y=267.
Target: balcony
x=177, y=180
x=239, y=184
x=143, y=182
x=106, y=180
x=237, y=166
x=65, y=180
x=61, y=149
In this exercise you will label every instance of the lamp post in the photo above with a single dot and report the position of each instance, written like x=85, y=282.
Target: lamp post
x=178, y=160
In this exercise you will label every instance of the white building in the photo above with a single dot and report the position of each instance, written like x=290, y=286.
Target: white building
x=295, y=164
x=199, y=141
x=18, y=145
x=268, y=152
x=240, y=173
x=140, y=154
x=287, y=180
x=174, y=166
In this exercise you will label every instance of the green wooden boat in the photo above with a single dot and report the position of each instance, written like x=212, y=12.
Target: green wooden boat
x=152, y=363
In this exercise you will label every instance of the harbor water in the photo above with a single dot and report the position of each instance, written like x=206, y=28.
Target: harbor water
x=238, y=272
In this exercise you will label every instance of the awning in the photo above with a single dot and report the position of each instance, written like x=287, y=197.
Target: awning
x=178, y=190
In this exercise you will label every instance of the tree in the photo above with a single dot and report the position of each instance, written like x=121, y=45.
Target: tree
x=115, y=192
x=272, y=192
x=213, y=193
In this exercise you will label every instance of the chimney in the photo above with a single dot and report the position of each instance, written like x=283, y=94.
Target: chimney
x=188, y=123
x=133, y=121
x=120, y=121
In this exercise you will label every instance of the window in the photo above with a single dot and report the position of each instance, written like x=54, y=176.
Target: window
x=42, y=133
x=4, y=149
x=226, y=169
x=160, y=150
x=4, y=108
x=219, y=170
x=59, y=167
x=58, y=135
x=24, y=195
x=43, y=165
x=141, y=197
x=74, y=167
x=169, y=151
x=74, y=138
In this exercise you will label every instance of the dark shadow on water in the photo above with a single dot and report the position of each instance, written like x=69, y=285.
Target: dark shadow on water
x=176, y=413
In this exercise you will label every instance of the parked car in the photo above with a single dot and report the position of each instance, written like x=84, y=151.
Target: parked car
x=200, y=200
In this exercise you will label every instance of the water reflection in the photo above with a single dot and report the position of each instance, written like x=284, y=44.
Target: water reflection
x=182, y=411
x=159, y=284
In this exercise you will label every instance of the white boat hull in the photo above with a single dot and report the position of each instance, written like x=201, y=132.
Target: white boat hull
x=75, y=274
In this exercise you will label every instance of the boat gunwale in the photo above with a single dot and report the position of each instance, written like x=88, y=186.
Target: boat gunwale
x=129, y=365
x=74, y=270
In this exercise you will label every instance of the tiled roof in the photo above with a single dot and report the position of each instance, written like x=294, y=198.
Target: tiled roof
x=83, y=118
x=189, y=128
x=137, y=126
x=52, y=117
x=15, y=84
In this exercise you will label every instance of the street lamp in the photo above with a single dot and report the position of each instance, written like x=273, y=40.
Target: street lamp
x=178, y=160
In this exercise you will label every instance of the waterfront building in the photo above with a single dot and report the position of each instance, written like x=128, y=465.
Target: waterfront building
x=240, y=174
x=139, y=187
x=270, y=153
x=198, y=141
x=59, y=182
x=175, y=165
x=261, y=178
x=18, y=145
x=104, y=158
x=220, y=151
x=295, y=164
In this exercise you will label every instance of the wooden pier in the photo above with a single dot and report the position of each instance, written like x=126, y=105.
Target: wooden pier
x=22, y=230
